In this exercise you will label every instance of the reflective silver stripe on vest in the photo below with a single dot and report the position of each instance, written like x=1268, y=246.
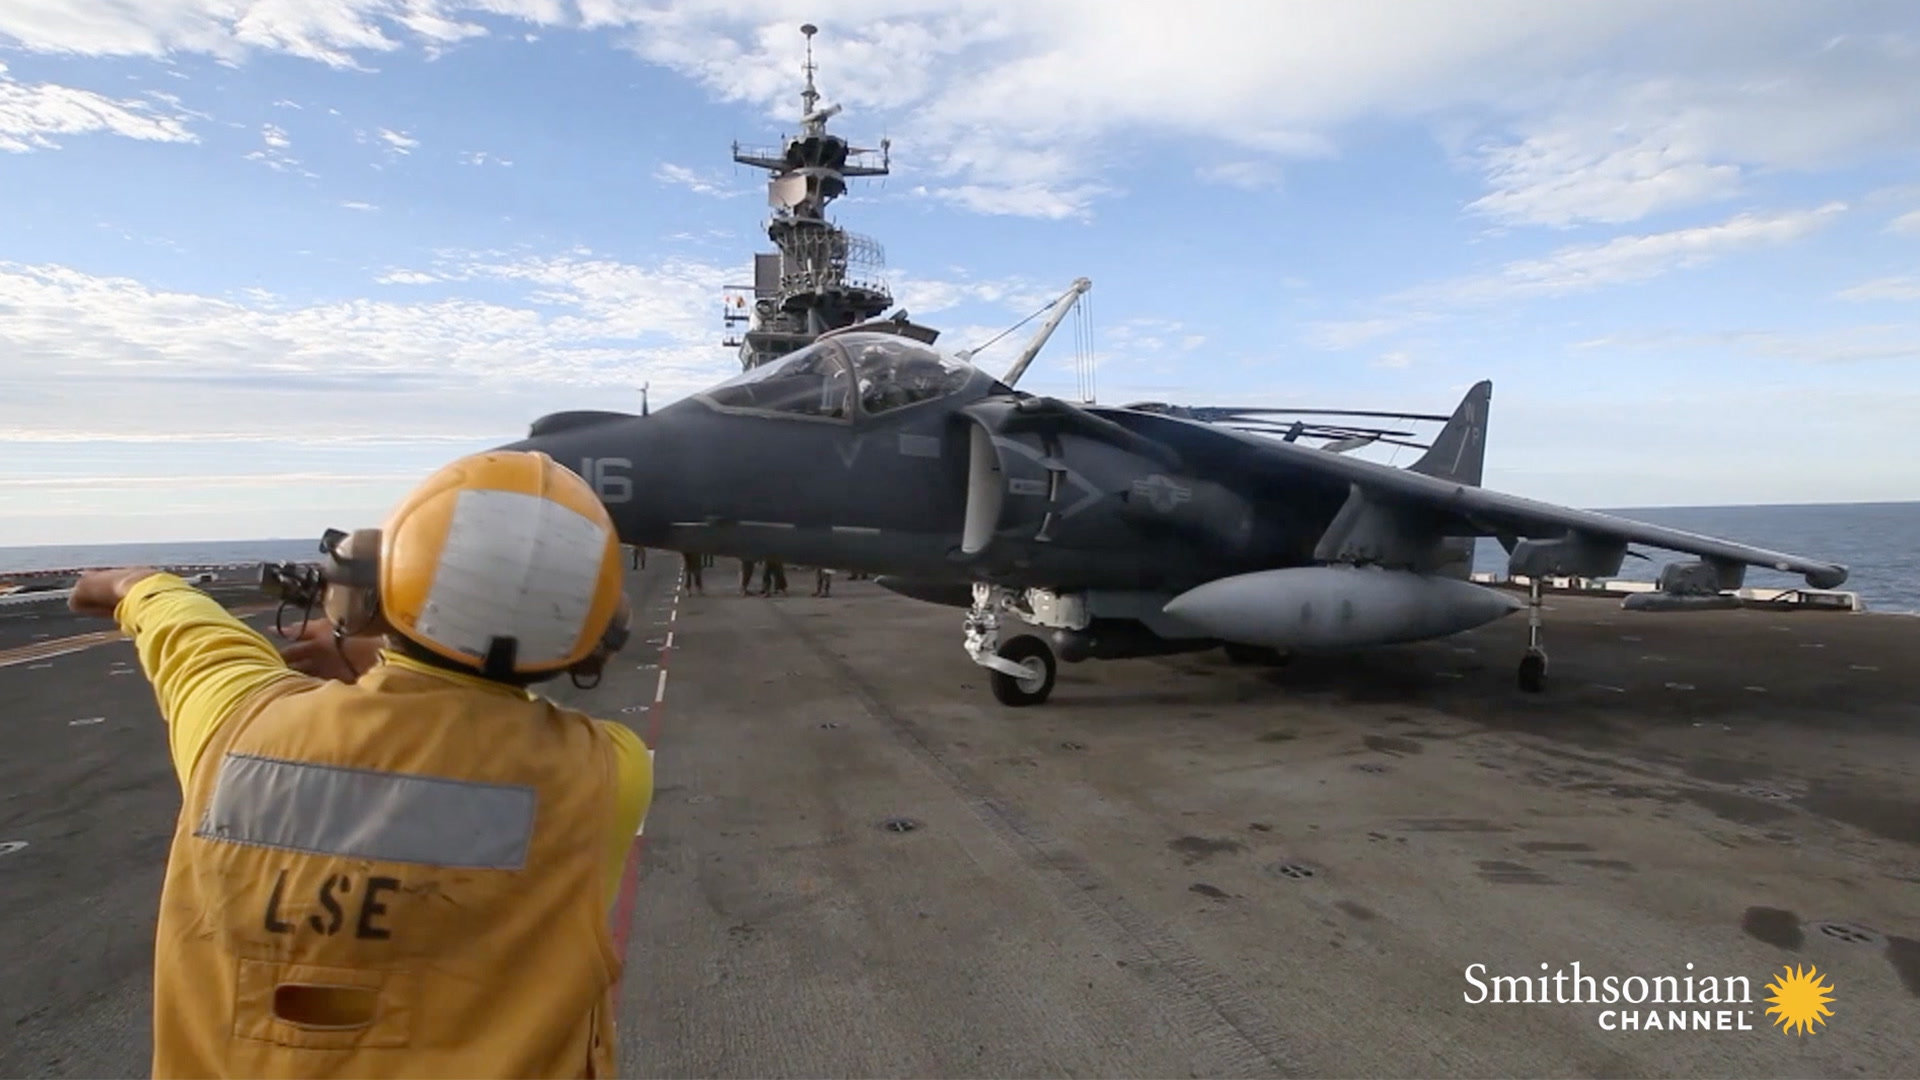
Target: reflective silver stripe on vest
x=365, y=814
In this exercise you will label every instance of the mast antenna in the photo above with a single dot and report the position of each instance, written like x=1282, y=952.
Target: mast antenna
x=810, y=96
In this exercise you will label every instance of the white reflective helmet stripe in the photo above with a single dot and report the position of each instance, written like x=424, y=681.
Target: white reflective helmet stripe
x=514, y=565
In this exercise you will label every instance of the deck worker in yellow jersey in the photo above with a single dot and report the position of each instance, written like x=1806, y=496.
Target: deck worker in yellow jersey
x=409, y=874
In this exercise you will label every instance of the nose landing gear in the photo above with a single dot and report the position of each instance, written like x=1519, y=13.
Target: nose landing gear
x=1021, y=671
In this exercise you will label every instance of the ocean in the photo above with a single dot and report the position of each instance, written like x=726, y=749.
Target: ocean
x=1879, y=542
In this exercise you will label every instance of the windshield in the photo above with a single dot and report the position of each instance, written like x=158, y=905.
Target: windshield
x=810, y=382
x=885, y=371
x=893, y=372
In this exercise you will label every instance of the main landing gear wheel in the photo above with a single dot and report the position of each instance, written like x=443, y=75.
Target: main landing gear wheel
x=1031, y=689
x=1533, y=672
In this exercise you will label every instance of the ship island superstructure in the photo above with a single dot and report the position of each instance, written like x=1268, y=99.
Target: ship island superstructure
x=821, y=277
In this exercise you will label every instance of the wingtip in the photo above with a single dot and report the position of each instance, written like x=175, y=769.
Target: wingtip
x=1831, y=577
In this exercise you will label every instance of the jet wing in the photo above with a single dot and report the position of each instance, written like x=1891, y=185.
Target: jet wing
x=1392, y=512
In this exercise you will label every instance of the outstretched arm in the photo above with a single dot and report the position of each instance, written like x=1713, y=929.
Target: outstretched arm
x=202, y=661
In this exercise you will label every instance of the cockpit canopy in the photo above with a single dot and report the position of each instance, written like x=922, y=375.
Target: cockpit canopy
x=843, y=376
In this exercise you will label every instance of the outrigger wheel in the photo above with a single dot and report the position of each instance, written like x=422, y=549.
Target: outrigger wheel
x=1533, y=671
x=1032, y=688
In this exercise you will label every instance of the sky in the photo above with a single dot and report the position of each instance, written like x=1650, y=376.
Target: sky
x=266, y=263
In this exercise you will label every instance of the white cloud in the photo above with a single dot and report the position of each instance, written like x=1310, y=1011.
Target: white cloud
x=1249, y=175
x=123, y=483
x=481, y=157
x=1576, y=268
x=31, y=115
x=400, y=142
x=406, y=277
x=1886, y=288
x=1031, y=109
x=1907, y=224
x=1564, y=177
x=1632, y=259
x=1396, y=360
x=1614, y=147
x=1025, y=108
x=1349, y=333
x=215, y=437
x=700, y=182
x=328, y=31
x=363, y=207
x=438, y=30
x=1837, y=346
x=1036, y=200
x=922, y=296
x=1851, y=345
x=455, y=366
x=273, y=152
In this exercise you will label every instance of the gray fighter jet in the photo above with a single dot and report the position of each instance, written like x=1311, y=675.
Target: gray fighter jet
x=1126, y=532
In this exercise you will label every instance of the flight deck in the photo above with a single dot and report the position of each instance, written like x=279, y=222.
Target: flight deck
x=858, y=864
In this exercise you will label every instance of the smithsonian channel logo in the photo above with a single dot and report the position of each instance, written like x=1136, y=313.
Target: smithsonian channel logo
x=1687, y=1002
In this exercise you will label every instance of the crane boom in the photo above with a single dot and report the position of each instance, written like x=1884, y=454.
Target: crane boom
x=1060, y=309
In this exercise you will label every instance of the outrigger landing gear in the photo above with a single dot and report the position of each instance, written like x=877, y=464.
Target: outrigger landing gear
x=1533, y=666
x=1022, y=670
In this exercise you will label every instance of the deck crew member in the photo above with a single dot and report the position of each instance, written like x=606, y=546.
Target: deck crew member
x=773, y=577
x=410, y=874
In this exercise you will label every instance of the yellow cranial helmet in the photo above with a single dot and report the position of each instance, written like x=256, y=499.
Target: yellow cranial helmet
x=505, y=562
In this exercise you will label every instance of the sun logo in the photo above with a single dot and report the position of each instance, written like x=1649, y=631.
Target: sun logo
x=1800, y=999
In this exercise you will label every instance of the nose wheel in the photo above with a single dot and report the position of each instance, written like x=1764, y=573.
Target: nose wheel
x=1035, y=683
x=1533, y=666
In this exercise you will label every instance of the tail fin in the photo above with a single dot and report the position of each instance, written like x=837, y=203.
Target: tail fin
x=1460, y=449
x=1457, y=454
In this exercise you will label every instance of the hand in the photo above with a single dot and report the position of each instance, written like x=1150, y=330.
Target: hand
x=311, y=650
x=99, y=592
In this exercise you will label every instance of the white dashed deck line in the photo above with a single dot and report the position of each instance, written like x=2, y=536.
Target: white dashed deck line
x=659, y=695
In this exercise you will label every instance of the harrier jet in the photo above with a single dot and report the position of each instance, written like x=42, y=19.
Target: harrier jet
x=1125, y=531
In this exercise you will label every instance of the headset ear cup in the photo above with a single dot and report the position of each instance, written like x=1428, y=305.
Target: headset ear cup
x=355, y=610
x=353, y=584
x=612, y=640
